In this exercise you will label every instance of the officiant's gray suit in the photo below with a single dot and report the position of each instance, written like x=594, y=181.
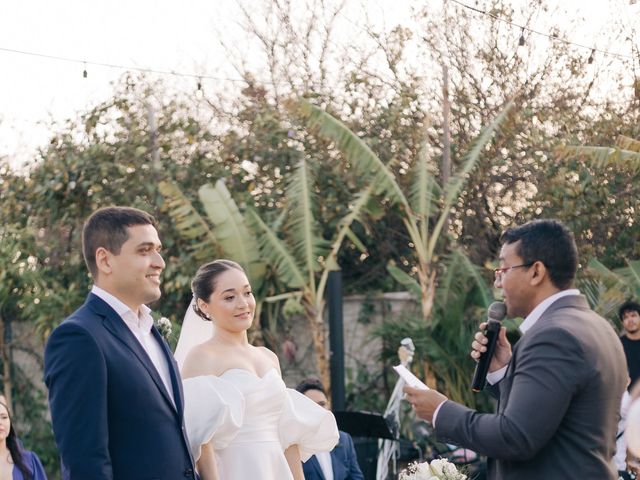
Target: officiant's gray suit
x=558, y=404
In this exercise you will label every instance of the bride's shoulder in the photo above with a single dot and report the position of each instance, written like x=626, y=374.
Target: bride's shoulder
x=201, y=360
x=270, y=356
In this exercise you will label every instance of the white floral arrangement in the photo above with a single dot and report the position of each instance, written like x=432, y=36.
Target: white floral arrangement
x=164, y=327
x=438, y=469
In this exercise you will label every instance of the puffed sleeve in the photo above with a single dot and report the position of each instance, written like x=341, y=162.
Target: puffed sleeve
x=308, y=425
x=213, y=411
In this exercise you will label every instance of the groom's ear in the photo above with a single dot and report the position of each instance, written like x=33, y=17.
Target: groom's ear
x=103, y=261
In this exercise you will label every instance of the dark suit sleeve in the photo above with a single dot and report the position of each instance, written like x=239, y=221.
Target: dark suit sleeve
x=548, y=372
x=76, y=376
x=354, y=469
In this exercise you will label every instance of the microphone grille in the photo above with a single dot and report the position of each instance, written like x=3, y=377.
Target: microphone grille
x=497, y=311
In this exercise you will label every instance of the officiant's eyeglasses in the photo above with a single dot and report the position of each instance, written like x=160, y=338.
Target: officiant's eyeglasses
x=498, y=272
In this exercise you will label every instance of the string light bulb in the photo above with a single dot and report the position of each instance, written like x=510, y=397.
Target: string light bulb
x=521, y=41
x=84, y=72
x=590, y=60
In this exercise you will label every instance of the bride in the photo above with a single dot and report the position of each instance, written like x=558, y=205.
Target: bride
x=241, y=420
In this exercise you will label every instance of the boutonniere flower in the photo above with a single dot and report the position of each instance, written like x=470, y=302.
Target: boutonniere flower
x=164, y=327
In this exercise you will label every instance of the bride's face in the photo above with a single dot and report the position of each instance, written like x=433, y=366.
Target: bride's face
x=231, y=305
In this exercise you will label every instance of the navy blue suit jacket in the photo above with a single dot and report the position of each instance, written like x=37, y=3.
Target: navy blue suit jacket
x=112, y=416
x=343, y=462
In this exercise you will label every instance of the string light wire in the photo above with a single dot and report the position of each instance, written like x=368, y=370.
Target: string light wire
x=200, y=77
x=537, y=32
x=122, y=67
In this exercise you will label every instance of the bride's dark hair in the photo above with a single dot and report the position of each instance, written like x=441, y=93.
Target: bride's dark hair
x=204, y=281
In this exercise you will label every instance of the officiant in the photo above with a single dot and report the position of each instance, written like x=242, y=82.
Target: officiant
x=558, y=391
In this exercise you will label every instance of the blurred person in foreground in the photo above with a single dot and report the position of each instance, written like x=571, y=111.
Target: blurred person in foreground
x=559, y=389
x=15, y=462
x=339, y=464
x=632, y=433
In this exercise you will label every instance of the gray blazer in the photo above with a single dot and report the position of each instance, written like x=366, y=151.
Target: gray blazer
x=558, y=404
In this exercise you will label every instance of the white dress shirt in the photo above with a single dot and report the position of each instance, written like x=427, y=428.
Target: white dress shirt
x=530, y=321
x=140, y=325
x=324, y=459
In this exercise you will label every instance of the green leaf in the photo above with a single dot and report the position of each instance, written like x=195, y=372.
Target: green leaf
x=308, y=245
x=404, y=279
x=190, y=224
x=456, y=183
x=234, y=237
x=365, y=162
x=277, y=252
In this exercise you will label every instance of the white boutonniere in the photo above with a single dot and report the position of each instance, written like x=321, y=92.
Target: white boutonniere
x=165, y=327
x=438, y=469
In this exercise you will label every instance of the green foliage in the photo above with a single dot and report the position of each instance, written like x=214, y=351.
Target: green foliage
x=443, y=345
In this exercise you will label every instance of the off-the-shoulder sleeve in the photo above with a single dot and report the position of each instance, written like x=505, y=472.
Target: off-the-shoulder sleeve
x=308, y=425
x=213, y=411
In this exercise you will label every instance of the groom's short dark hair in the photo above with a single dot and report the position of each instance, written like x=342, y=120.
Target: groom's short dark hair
x=107, y=228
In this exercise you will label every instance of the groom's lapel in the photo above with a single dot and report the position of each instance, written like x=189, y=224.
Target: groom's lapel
x=176, y=382
x=116, y=326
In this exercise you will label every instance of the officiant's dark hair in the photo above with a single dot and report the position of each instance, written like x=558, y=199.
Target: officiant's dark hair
x=550, y=242
x=204, y=281
x=107, y=228
x=15, y=448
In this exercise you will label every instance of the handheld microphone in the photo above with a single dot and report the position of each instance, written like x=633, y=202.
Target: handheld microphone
x=497, y=311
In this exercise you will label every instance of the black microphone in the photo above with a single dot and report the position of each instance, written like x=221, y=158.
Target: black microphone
x=497, y=311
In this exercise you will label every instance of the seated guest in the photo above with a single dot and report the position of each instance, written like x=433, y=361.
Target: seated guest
x=16, y=462
x=339, y=464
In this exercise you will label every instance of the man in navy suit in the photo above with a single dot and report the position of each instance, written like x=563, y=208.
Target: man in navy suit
x=114, y=389
x=339, y=464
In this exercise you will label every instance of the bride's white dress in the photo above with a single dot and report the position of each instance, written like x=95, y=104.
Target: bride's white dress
x=251, y=420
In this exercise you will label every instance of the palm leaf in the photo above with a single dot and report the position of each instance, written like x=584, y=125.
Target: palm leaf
x=344, y=230
x=191, y=226
x=459, y=277
x=602, y=157
x=233, y=235
x=454, y=186
x=276, y=252
x=631, y=275
x=404, y=279
x=366, y=163
x=424, y=193
x=627, y=143
x=308, y=245
x=606, y=289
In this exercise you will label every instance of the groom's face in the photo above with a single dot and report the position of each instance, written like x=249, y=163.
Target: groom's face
x=134, y=274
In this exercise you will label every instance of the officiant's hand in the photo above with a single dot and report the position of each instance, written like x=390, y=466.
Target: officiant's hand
x=502, y=353
x=424, y=402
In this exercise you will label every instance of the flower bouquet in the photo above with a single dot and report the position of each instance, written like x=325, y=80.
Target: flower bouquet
x=438, y=469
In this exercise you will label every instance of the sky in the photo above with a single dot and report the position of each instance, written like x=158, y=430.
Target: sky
x=161, y=35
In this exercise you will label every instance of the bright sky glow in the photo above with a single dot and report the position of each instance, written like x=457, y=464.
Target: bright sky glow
x=168, y=35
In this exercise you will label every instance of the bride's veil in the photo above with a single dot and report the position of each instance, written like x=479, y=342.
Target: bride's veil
x=195, y=330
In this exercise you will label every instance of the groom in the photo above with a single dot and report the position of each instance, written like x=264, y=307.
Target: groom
x=114, y=389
